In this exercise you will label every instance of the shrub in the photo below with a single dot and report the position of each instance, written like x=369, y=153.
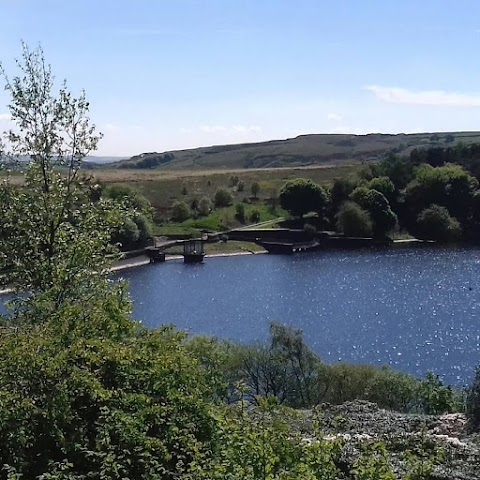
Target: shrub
x=353, y=221
x=223, y=198
x=301, y=196
x=240, y=212
x=255, y=189
x=435, y=223
x=473, y=402
x=255, y=216
x=204, y=206
x=89, y=401
x=180, y=211
x=233, y=180
x=240, y=186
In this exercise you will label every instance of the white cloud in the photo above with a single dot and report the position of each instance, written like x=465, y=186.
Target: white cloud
x=335, y=117
x=424, y=97
x=4, y=117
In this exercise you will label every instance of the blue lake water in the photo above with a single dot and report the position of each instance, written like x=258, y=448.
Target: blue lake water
x=415, y=309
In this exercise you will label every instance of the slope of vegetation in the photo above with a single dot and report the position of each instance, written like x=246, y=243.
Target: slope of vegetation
x=327, y=149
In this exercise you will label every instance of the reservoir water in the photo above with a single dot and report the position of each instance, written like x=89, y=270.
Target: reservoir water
x=415, y=309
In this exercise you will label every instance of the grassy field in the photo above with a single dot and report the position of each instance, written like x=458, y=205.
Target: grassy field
x=164, y=188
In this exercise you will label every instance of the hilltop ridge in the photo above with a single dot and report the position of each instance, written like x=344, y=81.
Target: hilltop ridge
x=304, y=150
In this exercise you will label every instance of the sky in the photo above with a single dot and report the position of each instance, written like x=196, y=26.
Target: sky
x=171, y=74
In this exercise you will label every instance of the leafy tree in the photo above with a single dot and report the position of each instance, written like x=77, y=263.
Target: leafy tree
x=254, y=216
x=375, y=203
x=180, y=211
x=129, y=197
x=204, y=206
x=223, y=198
x=255, y=189
x=240, y=212
x=399, y=170
x=353, y=221
x=385, y=186
x=473, y=402
x=301, y=196
x=136, y=228
x=55, y=232
x=127, y=235
x=341, y=190
x=449, y=186
x=435, y=223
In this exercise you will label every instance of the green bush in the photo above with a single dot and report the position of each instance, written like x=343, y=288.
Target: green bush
x=223, y=198
x=180, y=211
x=254, y=216
x=353, y=221
x=204, y=206
x=435, y=223
x=100, y=397
x=473, y=402
x=240, y=212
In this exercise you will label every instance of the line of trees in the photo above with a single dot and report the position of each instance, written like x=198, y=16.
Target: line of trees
x=432, y=202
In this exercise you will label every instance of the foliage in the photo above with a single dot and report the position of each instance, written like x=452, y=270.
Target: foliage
x=258, y=444
x=385, y=186
x=233, y=180
x=55, y=230
x=473, y=402
x=383, y=218
x=102, y=398
x=223, y=198
x=435, y=223
x=353, y=221
x=129, y=198
x=180, y=211
x=449, y=186
x=373, y=464
x=436, y=398
x=240, y=212
x=204, y=206
x=301, y=196
x=254, y=216
x=341, y=189
x=135, y=228
x=255, y=189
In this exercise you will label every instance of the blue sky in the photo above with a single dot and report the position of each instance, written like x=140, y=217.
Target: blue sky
x=164, y=75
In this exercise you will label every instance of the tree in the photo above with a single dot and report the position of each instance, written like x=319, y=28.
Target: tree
x=301, y=196
x=353, y=221
x=385, y=186
x=180, y=211
x=56, y=234
x=473, y=402
x=240, y=212
x=255, y=189
x=204, y=206
x=377, y=206
x=450, y=186
x=435, y=223
x=136, y=228
x=223, y=197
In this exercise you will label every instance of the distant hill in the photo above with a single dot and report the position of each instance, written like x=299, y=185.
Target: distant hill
x=300, y=151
